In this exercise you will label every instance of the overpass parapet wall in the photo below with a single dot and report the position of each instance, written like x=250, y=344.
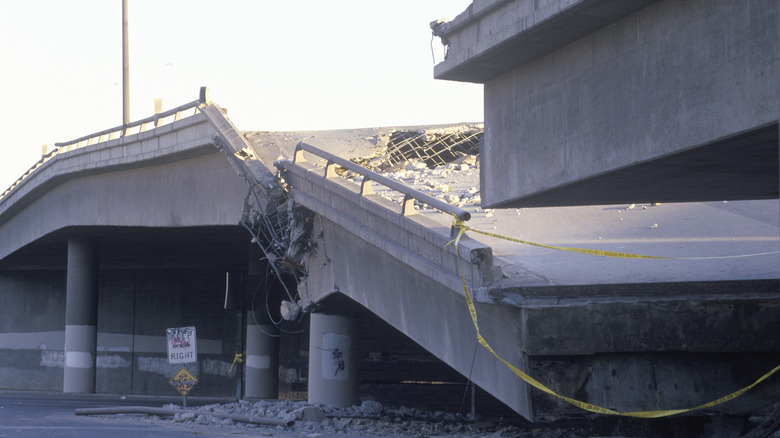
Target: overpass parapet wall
x=413, y=239
x=501, y=35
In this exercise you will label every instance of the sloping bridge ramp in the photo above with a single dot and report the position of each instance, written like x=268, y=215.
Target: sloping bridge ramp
x=397, y=264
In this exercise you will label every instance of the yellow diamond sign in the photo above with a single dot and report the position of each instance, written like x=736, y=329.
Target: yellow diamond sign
x=183, y=381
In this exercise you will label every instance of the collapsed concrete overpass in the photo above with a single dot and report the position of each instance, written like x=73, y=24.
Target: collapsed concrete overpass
x=155, y=215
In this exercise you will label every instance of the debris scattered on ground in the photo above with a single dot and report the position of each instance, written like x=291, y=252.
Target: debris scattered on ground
x=313, y=420
x=371, y=418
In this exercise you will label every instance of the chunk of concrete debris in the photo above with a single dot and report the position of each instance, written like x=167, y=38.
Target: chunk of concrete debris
x=371, y=407
x=309, y=413
x=290, y=311
x=184, y=416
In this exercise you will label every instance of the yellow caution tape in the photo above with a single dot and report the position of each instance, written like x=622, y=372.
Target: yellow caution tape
x=536, y=384
x=462, y=227
x=237, y=358
x=459, y=224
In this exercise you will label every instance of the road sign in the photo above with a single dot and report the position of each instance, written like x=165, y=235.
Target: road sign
x=183, y=381
x=182, y=345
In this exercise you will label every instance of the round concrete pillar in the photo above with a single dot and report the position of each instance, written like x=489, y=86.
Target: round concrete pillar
x=262, y=361
x=81, y=310
x=334, y=352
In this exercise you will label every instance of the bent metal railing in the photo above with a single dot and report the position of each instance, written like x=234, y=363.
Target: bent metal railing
x=410, y=194
x=120, y=131
x=419, y=241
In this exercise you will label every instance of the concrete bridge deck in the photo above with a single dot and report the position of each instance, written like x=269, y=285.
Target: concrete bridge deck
x=600, y=330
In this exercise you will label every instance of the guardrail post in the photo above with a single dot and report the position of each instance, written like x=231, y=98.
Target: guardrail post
x=365, y=187
x=330, y=169
x=407, y=208
x=298, y=156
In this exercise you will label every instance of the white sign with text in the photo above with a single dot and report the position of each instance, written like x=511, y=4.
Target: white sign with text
x=182, y=345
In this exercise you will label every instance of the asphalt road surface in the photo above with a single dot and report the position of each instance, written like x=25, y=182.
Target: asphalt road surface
x=52, y=415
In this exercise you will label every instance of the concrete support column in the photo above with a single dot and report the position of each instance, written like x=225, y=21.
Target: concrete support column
x=81, y=311
x=261, y=367
x=262, y=361
x=334, y=353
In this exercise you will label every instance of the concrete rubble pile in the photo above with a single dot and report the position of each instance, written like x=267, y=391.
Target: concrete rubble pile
x=443, y=163
x=433, y=147
x=372, y=419
x=368, y=419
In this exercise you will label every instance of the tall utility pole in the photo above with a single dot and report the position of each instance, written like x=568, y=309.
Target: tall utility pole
x=125, y=68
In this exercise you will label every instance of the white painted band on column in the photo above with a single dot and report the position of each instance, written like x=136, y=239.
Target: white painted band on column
x=78, y=359
x=259, y=362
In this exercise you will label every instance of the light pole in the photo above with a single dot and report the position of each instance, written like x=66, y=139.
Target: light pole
x=125, y=68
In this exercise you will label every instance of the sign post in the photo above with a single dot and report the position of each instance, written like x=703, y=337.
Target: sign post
x=182, y=348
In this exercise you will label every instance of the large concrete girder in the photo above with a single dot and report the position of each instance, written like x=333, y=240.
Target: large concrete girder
x=695, y=317
x=743, y=166
x=674, y=102
x=493, y=37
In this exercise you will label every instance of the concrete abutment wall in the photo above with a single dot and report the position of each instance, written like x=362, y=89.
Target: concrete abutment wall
x=135, y=307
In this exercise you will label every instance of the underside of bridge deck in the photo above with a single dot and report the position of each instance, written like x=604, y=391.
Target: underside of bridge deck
x=223, y=247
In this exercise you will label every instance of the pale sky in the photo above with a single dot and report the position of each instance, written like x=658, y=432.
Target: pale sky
x=274, y=64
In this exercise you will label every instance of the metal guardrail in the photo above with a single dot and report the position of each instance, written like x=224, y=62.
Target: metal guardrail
x=410, y=194
x=124, y=130
x=38, y=164
x=116, y=132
